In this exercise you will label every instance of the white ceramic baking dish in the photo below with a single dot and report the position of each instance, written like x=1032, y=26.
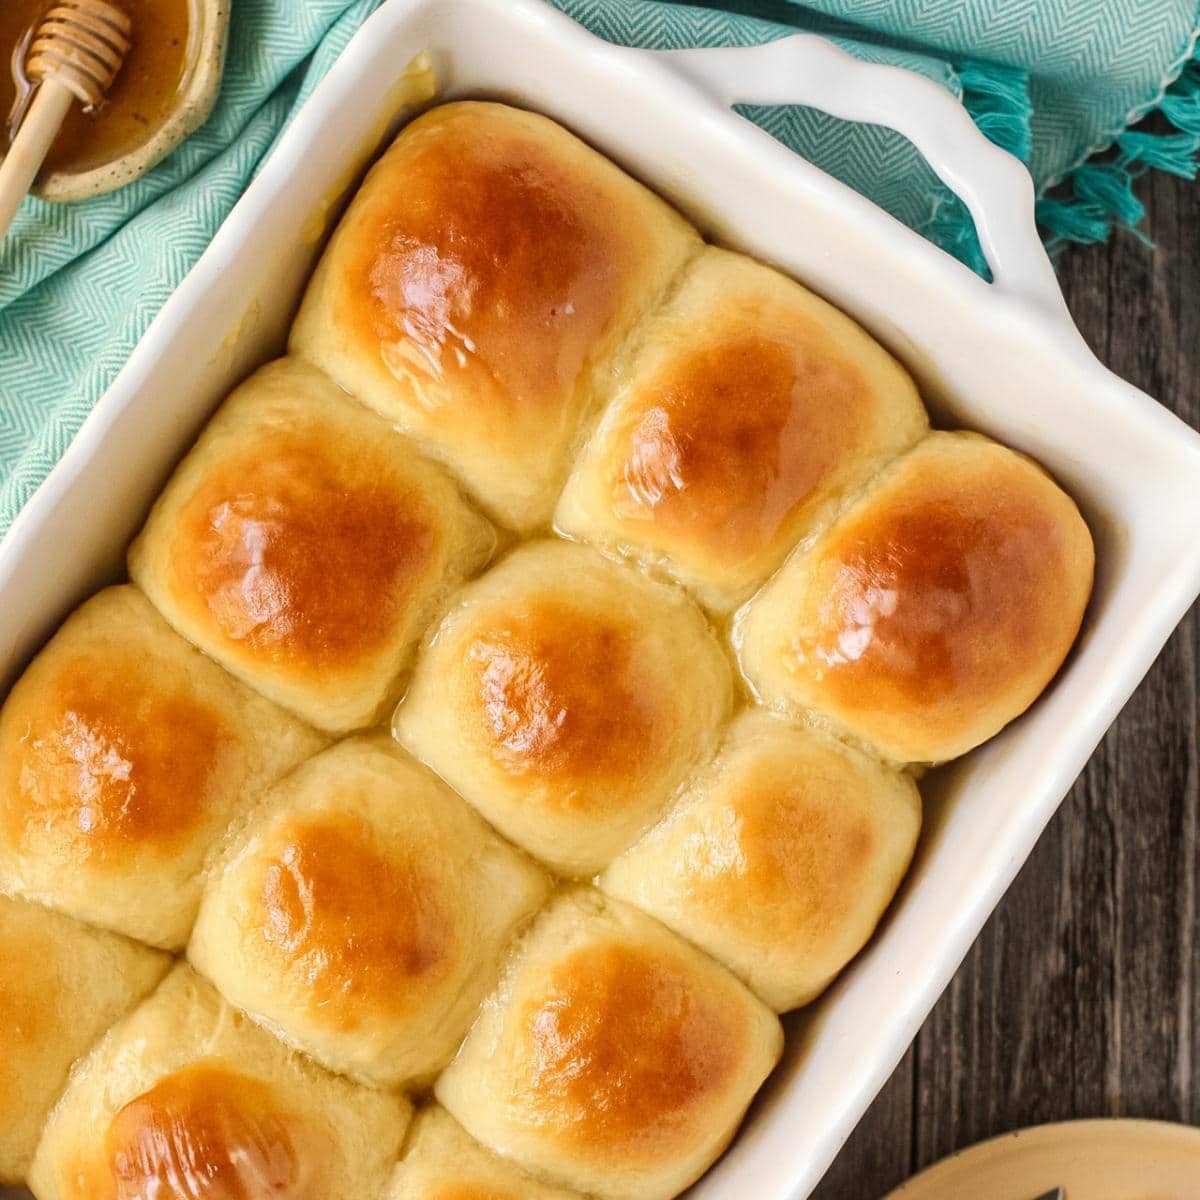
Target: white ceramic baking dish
x=1003, y=358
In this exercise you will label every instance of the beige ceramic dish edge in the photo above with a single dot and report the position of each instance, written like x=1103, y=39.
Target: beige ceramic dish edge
x=1002, y=358
x=1089, y=1160
x=205, y=60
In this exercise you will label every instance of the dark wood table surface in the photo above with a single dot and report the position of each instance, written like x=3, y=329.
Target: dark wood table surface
x=1082, y=996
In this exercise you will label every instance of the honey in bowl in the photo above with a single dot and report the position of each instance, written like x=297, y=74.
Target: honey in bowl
x=140, y=100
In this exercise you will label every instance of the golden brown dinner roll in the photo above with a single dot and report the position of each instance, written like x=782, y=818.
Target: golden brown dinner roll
x=188, y=1099
x=566, y=697
x=364, y=916
x=613, y=1058
x=62, y=985
x=124, y=755
x=935, y=609
x=780, y=859
x=442, y=1162
x=750, y=406
x=478, y=288
x=304, y=544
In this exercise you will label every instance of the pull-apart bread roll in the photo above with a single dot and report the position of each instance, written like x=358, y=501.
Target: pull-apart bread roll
x=566, y=697
x=62, y=985
x=935, y=609
x=781, y=858
x=750, y=405
x=304, y=544
x=365, y=915
x=187, y=1099
x=614, y=1058
x=124, y=755
x=443, y=1162
x=479, y=288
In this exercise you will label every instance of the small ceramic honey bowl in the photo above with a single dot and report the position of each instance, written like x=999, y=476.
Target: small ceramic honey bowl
x=164, y=91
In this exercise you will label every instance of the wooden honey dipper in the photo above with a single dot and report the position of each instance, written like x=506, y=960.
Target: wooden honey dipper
x=77, y=50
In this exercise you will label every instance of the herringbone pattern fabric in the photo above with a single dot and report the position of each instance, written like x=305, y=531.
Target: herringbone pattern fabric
x=1052, y=80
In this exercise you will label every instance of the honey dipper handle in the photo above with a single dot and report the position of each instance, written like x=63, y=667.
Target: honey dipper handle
x=31, y=145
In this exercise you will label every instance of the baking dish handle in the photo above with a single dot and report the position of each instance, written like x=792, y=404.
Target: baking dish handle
x=808, y=70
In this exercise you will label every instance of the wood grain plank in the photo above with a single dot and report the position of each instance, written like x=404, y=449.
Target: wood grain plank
x=1082, y=996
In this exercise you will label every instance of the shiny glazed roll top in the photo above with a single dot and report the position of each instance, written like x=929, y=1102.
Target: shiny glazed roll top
x=567, y=697
x=780, y=858
x=187, y=1100
x=62, y=985
x=443, y=1162
x=935, y=609
x=364, y=915
x=304, y=544
x=125, y=754
x=477, y=291
x=749, y=406
x=614, y=1058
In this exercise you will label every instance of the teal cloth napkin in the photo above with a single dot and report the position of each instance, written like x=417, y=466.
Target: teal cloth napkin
x=1057, y=82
